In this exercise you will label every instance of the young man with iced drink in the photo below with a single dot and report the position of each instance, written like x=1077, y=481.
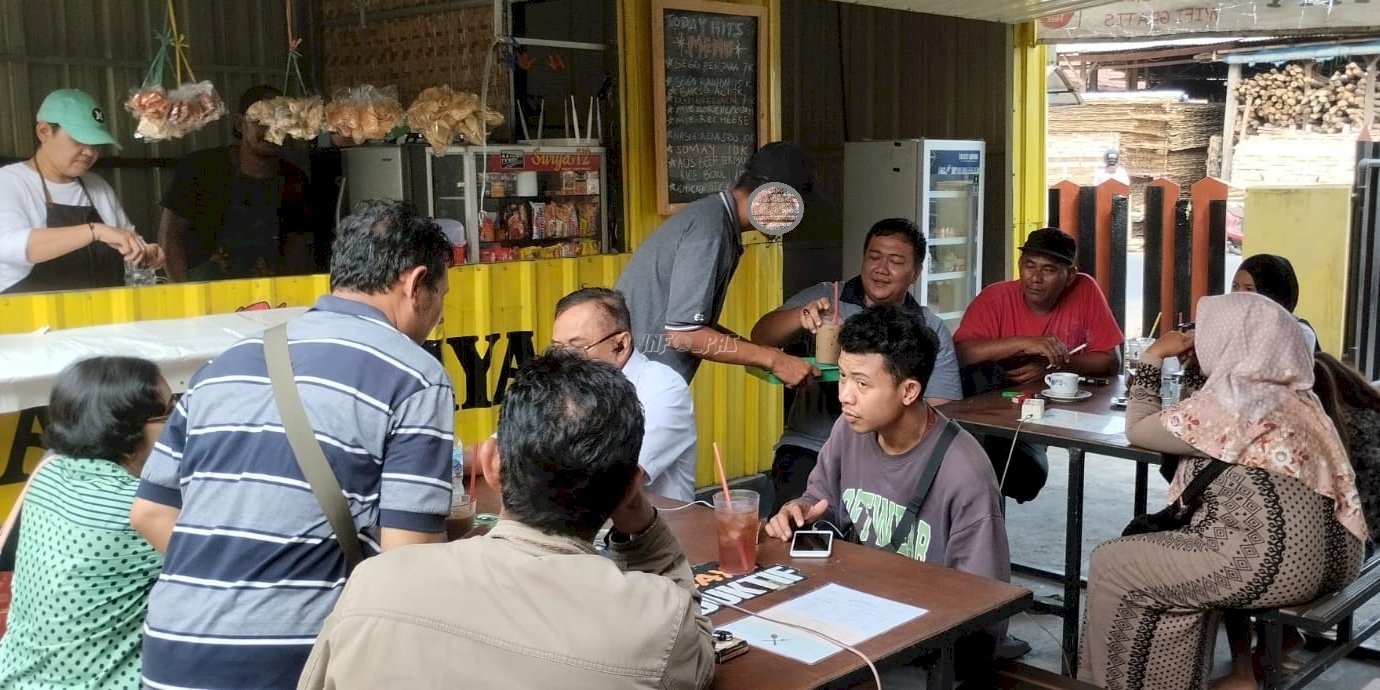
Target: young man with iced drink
x=878, y=453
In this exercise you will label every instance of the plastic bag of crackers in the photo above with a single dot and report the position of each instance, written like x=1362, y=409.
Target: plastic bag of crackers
x=164, y=114
x=300, y=118
x=440, y=113
x=364, y=113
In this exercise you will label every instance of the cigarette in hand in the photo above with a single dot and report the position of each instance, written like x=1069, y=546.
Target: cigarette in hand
x=1071, y=353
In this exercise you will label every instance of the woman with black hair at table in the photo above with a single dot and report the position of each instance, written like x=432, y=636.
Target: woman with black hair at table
x=82, y=575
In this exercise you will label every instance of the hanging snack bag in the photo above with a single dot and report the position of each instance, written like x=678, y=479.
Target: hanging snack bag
x=364, y=113
x=299, y=118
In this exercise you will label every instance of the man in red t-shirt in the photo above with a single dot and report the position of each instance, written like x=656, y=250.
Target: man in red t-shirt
x=1017, y=331
x=1026, y=327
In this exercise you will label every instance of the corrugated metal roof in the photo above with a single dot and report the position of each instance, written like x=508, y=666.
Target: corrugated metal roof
x=1008, y=11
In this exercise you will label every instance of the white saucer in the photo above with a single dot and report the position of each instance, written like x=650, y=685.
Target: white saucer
x=1081, y=395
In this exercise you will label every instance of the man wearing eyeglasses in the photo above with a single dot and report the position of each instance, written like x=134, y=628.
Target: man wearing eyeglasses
x=593, y=322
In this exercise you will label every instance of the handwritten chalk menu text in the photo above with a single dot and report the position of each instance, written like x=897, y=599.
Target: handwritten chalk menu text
x=709, y=84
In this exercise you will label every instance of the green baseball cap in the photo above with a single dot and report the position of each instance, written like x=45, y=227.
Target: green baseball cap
x=77, y=113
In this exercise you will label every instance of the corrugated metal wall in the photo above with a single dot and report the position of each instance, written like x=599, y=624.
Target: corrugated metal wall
x=852, y=72
x=104, y=48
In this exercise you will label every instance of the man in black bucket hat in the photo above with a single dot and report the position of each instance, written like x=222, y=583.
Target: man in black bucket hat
x=1017, y=331
x=676, y=281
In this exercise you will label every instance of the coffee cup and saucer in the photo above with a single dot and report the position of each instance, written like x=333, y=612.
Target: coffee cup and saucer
x=1063, y=387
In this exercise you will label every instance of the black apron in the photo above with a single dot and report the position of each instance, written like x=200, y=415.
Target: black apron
x=94, y=266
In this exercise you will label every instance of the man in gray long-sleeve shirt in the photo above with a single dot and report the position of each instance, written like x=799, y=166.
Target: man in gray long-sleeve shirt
x=879, y=448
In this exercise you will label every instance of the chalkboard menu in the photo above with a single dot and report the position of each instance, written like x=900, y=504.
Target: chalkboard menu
x=708, y=84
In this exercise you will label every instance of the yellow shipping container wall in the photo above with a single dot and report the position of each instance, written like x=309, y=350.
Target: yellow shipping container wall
x=497, y=314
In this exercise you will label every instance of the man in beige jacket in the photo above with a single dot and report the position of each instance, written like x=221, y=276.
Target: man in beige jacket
x=531, y=604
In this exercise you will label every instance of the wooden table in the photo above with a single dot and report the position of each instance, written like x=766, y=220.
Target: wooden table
x=957, y=603
x=990, y=414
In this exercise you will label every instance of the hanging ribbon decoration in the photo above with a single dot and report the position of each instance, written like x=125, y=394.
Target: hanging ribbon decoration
x=293, y=57
x=178, y=40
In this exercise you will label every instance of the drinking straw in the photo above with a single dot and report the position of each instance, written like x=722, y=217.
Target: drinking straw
x=723, y=476
x=1156, y=324
x=474, y=469
x=728, y=499
x=836, y=302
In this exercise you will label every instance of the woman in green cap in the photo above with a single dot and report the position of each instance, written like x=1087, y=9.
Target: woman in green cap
x=61, y=227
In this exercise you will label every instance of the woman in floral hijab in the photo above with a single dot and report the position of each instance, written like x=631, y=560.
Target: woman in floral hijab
x=1282, y=525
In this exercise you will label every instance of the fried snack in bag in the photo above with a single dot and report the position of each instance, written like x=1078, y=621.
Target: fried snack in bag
x=299, y=118
x=363, y=113
x=440, y=113
x=173, y=114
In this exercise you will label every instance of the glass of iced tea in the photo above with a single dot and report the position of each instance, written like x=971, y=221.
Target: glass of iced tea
x=735, y=521
x=461, y=518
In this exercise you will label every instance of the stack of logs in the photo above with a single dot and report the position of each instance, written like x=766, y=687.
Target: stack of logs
x=1297, y=97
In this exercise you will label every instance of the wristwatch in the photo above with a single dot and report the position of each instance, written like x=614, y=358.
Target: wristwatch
x=615, y=537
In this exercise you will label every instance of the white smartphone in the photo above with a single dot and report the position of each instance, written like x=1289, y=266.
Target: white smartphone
x=812, y=543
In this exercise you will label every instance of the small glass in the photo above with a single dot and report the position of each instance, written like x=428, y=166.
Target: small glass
x=136, y=276
x=736, y=523
x=1135, y=348
x=460, y=521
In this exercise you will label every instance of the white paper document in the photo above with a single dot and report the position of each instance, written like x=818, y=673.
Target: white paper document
x=1085, y=421
x=844, y=614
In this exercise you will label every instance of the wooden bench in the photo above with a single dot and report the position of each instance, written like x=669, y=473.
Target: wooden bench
x=1331, y=612
x=1013, y=675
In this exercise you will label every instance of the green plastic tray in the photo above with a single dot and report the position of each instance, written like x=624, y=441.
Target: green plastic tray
x=827, y=372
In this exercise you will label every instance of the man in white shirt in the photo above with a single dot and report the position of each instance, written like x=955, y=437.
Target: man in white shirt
x=594, y=322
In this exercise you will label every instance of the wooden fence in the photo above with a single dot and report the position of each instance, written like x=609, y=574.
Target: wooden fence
x=1185, y=243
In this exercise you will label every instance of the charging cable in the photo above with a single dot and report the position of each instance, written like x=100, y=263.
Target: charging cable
x=706, y=504
x=1001, y=485
x=876, y=677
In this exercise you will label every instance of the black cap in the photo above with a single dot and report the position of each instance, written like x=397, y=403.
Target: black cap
x=784, y=162
x=1111, y=157
x=1053, y=243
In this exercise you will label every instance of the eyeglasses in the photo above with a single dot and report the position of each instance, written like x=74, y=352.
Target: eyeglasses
x=172, y=403
x=587, y=348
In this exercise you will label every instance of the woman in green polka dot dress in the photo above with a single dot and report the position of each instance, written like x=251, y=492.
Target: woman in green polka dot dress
x=82, y=575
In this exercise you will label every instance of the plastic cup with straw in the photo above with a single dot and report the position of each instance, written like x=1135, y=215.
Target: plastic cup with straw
x=748, y=560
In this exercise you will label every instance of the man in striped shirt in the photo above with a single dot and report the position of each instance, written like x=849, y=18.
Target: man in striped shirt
x=251, y=565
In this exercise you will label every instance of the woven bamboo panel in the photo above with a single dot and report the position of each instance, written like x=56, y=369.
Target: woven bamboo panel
x=414, y=53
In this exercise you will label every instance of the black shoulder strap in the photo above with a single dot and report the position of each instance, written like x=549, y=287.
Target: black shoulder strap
x=1200, y=483
x=922, y=487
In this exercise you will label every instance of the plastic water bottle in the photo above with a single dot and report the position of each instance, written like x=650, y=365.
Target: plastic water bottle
x=1169, y=381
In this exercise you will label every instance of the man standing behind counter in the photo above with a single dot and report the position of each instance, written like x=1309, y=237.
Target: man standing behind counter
x=677, y=279
x=237, y=211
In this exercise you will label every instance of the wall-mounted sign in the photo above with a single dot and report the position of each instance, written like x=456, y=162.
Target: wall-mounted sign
x=1142, y=18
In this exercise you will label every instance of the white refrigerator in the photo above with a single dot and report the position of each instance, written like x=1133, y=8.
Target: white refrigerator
x=938, y=183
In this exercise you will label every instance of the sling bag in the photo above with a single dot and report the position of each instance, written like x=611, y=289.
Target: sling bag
x=922, y=490
x=306, y=449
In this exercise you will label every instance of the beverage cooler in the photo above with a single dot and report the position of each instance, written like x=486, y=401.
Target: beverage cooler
x=936, y=183
x=501, y=203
